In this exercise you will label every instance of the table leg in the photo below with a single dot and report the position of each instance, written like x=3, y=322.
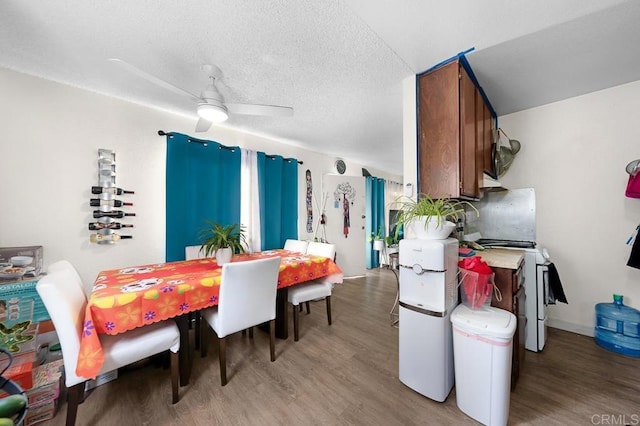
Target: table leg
x=393, y=314
x=282, y=314
x=185, y=357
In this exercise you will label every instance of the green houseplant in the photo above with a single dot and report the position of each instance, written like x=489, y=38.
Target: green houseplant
x=377, y=238
x=430, y=218
x=222, y=240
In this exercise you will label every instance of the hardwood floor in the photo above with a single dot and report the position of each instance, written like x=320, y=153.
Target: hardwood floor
x=347, y=374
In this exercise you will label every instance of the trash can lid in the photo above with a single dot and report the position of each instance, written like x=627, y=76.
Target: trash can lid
x=487, y=321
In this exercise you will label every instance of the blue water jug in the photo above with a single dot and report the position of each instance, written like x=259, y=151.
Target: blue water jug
x=618, y=327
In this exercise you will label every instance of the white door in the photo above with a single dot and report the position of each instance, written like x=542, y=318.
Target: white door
x=345, y=223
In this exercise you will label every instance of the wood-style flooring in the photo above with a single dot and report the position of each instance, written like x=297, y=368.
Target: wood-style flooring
x=347, y=374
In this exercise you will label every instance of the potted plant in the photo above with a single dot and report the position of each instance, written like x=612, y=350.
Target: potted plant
x=430, y=218
x=223, y=241
x=378, y=239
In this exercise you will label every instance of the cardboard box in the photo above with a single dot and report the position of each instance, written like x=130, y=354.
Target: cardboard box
x=16, y=292
x=47, y=379
x=6, y=253
x=41, y=412
x=21, y=374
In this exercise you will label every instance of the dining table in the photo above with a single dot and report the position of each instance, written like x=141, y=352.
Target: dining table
x=127, y=298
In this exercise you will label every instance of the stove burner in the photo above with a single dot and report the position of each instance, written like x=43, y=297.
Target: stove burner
x=488, y=242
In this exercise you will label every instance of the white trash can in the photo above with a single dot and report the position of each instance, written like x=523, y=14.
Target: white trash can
x=482, y=346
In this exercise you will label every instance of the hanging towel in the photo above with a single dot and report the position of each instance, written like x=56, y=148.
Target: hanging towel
x=634, y=258
x=556, y=292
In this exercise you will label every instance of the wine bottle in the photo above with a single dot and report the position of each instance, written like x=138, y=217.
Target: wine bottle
x=95, y=238
x=113, y=203
x=94, y=226
x=114, y=213
x=109, y=190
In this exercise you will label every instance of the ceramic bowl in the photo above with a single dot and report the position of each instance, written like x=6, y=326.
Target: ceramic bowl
x=12, y=273
x=20, y=261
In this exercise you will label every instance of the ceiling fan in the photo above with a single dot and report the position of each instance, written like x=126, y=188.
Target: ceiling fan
x=211, y=107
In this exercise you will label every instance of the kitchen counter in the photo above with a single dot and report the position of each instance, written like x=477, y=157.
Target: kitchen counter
x=502, y=258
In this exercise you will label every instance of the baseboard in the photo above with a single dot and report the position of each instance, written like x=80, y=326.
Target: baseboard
x=567, y=326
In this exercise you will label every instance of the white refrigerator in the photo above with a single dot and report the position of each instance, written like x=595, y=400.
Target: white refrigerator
x=428, y=294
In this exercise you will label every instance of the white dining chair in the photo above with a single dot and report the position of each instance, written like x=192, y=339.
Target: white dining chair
x=194, y=252
x=322, y=249
x=66, y=303
x=74, y=276
x=247, y=298
x=296, y=245
x=312, y=290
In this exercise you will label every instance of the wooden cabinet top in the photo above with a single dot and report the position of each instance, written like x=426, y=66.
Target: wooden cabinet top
x=502, y=258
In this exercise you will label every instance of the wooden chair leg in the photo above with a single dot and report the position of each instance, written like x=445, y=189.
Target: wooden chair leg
x=74, y=397
x=175, y=376
x=222, y=349
x=204, y=339
x=301, y=307
x=296, y=319
x=308, y=308
x=244, y=332
x=198, y=327
x=272, y=339
x=329, y=309
x=251, y=332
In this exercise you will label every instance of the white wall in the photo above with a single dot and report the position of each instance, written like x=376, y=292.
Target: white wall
x=49, y=142
x=574, y=155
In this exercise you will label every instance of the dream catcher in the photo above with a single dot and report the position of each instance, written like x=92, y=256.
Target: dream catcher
x=344, y=194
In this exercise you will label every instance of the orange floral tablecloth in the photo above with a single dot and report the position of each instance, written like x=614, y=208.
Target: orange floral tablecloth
x=123, y=299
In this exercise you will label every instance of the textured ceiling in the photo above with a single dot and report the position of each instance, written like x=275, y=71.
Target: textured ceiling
x=338, y=63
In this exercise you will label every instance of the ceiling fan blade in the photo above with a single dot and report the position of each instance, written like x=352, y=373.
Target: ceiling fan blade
x=203, y=125
x=269, y=110
x=151, y=78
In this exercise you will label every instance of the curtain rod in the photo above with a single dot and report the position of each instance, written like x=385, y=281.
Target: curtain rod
x=220, y=146
x=205, y=143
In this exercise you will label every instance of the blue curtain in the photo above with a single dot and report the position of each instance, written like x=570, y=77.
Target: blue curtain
x=374, y=199
x=203, y=183
x=278, y=186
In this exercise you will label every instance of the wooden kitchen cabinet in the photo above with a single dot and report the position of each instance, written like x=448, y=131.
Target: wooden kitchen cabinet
x=485, y=127
x=510, y=282
x=454, y=146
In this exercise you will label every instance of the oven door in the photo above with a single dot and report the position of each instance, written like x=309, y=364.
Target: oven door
x=542, y=283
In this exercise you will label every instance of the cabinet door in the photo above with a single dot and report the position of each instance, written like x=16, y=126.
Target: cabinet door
x=469, y=186
x=504, y=281
x=487, y=138
x=439, y=132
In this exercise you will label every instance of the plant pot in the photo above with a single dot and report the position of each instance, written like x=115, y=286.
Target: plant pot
x=223, y=255
x=378, y=245
x=428, y=228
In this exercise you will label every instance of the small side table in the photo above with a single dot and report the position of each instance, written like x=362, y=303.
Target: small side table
x=394, y=267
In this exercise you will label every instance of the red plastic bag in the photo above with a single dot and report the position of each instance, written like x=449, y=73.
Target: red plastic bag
x=633, y=186
x=477, y=282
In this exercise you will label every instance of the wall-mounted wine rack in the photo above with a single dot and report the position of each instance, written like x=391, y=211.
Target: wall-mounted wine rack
x=109, y=208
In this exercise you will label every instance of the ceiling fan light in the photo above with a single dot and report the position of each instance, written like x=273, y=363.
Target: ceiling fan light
x=213, y=113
